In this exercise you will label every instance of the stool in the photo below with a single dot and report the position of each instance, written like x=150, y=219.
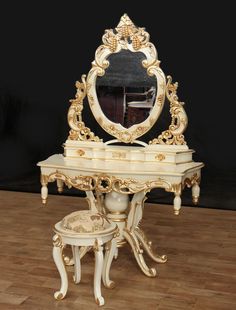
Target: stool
x=85, y=229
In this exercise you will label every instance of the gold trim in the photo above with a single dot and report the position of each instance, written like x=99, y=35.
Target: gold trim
x=96, y=245
x=105, y=183
x=117, y=220
x=78, y=129
x=104, y=233
x=57, y=241
x=148, y=246
x=194, y=179
x=125, y=36
x=195, y=199
x=44, y=180
x=121, y=243
x=179, y=120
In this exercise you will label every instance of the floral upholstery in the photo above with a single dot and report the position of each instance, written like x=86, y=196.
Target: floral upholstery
x=85, y=221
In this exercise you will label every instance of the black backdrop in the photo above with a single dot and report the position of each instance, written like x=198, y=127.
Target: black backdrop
x=47, y=45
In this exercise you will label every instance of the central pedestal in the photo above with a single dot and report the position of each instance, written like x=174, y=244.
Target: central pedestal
x=117, y=205
x=127, y=219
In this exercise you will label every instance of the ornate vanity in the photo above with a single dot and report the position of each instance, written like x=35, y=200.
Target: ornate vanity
x=116, y=174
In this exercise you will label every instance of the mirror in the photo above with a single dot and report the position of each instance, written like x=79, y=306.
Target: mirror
x=126, y=90
x=125, y=86
x=126, y=94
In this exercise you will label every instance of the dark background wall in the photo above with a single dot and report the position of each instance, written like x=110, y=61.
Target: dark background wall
x=47, y=45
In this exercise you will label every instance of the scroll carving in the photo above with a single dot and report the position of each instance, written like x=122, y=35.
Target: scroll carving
x=179, y=120
x=78, y=129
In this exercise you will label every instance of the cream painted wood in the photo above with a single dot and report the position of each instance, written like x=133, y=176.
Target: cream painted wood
x=139, y=179
x=195, y=193
x=80, y=242
x=77, y=264
x=111, y=252
x=105, y=169
x=58, y=259
x=98, y=274
x=60, y=185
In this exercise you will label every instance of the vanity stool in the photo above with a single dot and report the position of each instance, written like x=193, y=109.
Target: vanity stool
x=85, y=229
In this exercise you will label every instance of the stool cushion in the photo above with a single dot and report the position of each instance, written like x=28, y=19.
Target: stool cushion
x=85, y=221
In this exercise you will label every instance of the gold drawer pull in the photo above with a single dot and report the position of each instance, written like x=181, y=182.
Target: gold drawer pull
x=160, y=157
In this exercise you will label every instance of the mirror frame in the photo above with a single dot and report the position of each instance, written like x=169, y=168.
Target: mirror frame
x=126, y=36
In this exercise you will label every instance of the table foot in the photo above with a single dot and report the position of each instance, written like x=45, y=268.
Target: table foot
x=138, y=253
x=195, y=193
x=60, y=185
x=147, y=245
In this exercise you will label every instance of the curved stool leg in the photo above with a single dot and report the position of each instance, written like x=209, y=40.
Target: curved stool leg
x=58, y=259
x=77, y=266
x=116, y=253
x=98, y=251
x=110, y=253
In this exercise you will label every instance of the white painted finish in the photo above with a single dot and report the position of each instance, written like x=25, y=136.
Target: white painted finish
x=80, y=243
x=139, y=177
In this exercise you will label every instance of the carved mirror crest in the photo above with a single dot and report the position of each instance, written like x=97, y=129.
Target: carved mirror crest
x=126, y=90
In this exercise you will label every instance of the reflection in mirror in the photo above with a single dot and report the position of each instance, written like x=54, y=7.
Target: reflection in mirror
x=126, y=93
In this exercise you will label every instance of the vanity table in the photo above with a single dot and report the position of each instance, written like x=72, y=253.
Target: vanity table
x=117, y=174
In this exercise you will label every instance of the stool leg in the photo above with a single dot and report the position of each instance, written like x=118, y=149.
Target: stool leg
x=98, y=251
x=77, y=266
x=110, y=253
x=58, y=259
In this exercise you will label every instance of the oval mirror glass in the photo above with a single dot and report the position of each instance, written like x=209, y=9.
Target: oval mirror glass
x=126, y=93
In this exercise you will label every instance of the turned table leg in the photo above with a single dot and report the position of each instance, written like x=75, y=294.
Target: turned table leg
x=60, y=185
x=177, y=203
x=195, y=193
x=44, y=188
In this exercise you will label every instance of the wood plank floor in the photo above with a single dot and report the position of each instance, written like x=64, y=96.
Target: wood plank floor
x=200, y=272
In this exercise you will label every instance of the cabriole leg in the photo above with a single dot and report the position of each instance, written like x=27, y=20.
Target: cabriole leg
x=77, y=266
x=58, y=259
x=147, y=245
x=138, y=253
x=98, y=251
x=110, y=252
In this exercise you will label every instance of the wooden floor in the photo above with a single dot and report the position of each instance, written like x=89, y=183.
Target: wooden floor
x=200, y=272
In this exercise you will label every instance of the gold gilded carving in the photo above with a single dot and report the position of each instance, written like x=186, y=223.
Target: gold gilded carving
x=125, y=36
x=174, y=135
x=189, y=182
x=43, y=179
x=124, y=32
x=57, y=241
x=148, y=246
x=96, y=246
x=78, y=129
x=160, y=157
x=176, y=188
x=105, y=183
